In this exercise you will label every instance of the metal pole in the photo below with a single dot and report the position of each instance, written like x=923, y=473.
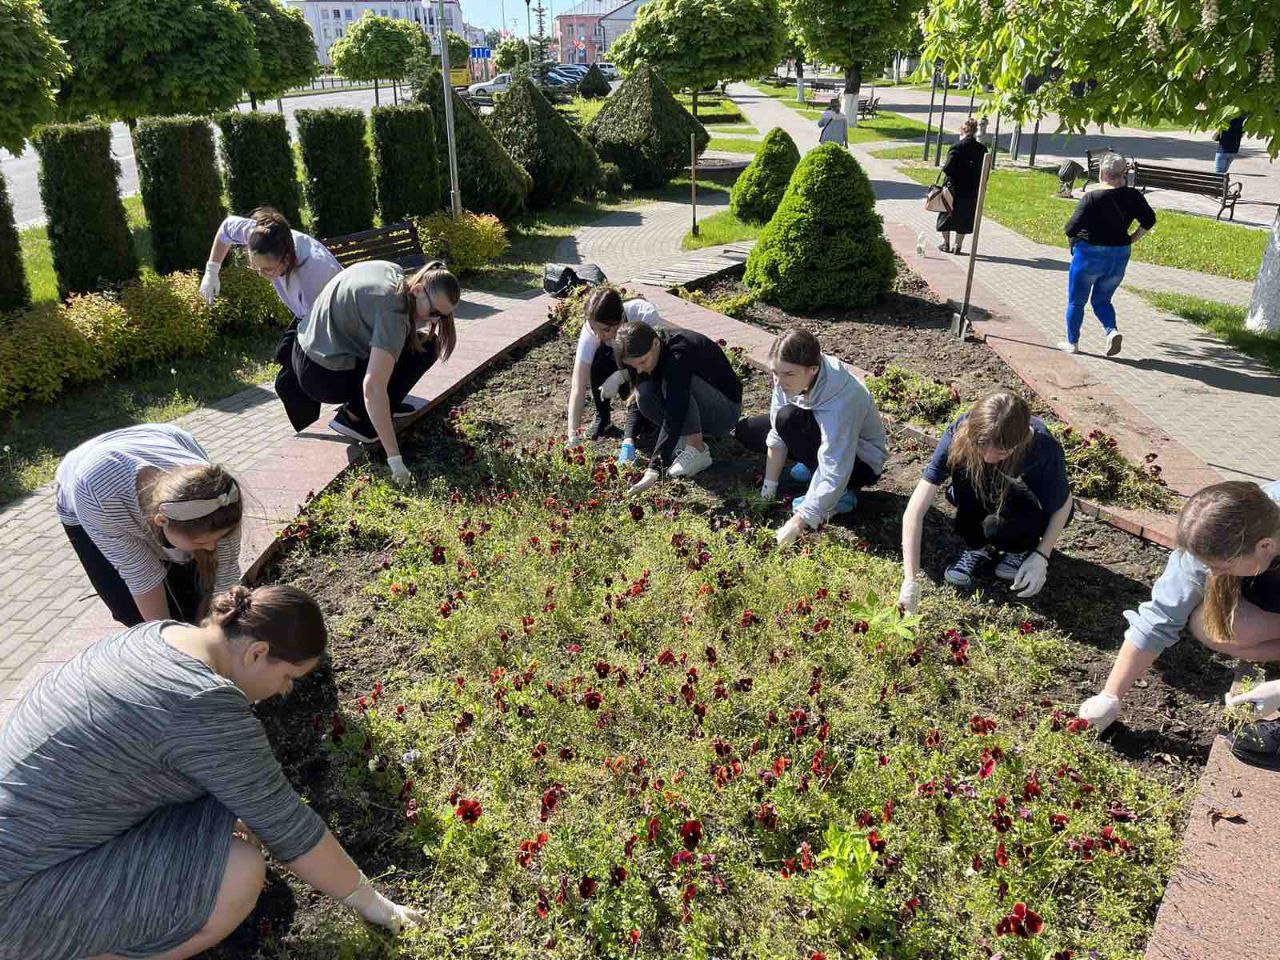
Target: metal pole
x=928, y=126
x=973, y=94
x=455, y=191
x=528, y=26
x=1015, y=142
x=995, y=142
x=960, y=321
x=1035, y=142
x=942, y=118
x=693, y=179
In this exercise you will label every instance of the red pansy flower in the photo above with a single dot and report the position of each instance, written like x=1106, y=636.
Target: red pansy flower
x=691, y=834
x=469, y=811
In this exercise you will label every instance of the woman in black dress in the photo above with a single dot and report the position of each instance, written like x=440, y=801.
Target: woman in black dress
x=963, y=171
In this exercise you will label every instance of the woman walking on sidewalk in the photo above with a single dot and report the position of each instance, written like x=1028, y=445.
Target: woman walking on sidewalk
x=834, y=124
x=822, y=417
x=963, y=172
x=155, y=524
x=1008, y=483
x=1100, y=240
x=129, y=774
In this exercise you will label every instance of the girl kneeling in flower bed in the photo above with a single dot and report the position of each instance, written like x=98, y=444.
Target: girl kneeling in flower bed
x=1008, y=483
x=127, y=771
x=822, y=417
x=685, y=386
x=1224, y=582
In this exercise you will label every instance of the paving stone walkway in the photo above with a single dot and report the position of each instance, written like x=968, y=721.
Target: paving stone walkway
x=1222, y=405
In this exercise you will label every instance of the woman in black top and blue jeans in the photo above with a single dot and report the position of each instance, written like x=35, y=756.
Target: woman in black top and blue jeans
x=1100, y=242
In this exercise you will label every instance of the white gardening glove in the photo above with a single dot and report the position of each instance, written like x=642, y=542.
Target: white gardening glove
x=909, y=595
x=790, y=532
x=644, y=483
x=769, y=489
x=377, y=909
x=400, y=474
x=1030, y=577
x=211, y=283
x=1101, y=710
x=1265, y=697
x=610, y=389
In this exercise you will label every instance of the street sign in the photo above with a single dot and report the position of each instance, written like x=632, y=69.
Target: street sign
x=481, y=53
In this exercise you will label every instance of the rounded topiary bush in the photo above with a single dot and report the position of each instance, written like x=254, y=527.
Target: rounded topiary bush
x=561, y=163
x=645, y=131
x=594, y=85
x=825, y=246
x=758, y=191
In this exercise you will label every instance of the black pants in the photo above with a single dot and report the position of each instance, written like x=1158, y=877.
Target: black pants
x=1016, y=528
x=182, y=583
x=347, y=386
x=799, y=430
x=603, y=366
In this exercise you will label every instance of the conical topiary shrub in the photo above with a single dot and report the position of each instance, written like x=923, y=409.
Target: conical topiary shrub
x=561, y=163
x=594, y=85
x=644, y=130
x=490, y=181
x=758, y=191
x=825, y=246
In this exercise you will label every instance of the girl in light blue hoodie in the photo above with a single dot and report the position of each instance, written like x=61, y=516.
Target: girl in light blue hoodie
x=822, y=417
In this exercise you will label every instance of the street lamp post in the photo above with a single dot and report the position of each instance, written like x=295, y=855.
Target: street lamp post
x=456, y=193
x=528, y=26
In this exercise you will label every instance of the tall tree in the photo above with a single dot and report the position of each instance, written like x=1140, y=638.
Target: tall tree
x=693, y=44
x=853, y=34
x=493, y=39
x=286, y=49
x=459, y=51
x=793, y=49
x=32, y=63
x=375, y=48
x=133, y=58
x=510, y=54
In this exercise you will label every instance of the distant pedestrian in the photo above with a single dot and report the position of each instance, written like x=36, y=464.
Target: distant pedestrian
x=963, y=172
x=1228, y=143
x=834, y=124
x=1100, y=240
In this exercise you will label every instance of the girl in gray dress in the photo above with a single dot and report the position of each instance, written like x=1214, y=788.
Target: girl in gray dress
x=123, y=774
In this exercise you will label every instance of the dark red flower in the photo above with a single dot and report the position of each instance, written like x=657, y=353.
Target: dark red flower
x=654, y=828
x=469, y=811
x=1022, y=922
x=602, y=668
x=876, y=842
x=1027, y=627
x=748, y=618
x=767, y=816
x=1002, y=856
x=438, y=556
x=637, y=512
x=587, y=887
x=1058, y=822
x=592, y=699
x=682, y=858
x=691, y=834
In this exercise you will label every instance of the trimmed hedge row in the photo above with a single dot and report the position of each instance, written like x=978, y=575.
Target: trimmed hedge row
x=258, y=160
x=53, y=346
x=404, y=148
x=14, y=292
x=88, y=232
x=181, y=191
x=339, y=185
x=563, y=165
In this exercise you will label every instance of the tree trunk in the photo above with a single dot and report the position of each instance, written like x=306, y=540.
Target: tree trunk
x=253, y=102
x=375, y=93
x=852, y=84
x=800, y=80
x=1264, y=307
x=695, y=103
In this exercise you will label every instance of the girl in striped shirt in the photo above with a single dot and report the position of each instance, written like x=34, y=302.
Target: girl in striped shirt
x=154, y=523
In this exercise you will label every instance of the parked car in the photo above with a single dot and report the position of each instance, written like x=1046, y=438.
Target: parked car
x=574, y=68
x=610, y=72
x=499, y=84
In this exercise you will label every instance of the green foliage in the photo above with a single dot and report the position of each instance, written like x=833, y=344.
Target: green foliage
x=135, y=58
x=644, y=131
x=490, y=180
x=1098, y=471
x=851, y=33
x=286, y=48
x=759, y=189
x=88, y=235
x=259, y=163
x=459, y=51
x=611, y=179
x=32, y=63
x=696, y=43
x=339, y=184
x=14, y=290
x=404, y=152
x=180, y=189
x=825, y=245
x=731, y=305
x=908, y=397
x=375, y=48
x=594, y=85
x=720, y=228
x=845, y=889
x=562, y=164
x=465, y=243
x=511, y=54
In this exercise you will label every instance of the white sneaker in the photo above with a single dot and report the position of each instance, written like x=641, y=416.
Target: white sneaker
x=690, y=461
x=1114, y=341
x=1066, y=346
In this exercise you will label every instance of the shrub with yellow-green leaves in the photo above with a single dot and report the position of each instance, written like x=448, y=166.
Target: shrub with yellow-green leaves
x=464, y=243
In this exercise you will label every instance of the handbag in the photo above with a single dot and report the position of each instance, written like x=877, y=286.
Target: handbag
x=939, y=199
x=558, y=279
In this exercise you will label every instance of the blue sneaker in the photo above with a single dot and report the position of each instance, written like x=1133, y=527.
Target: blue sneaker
x=846, y=503
x=800, y=473
x=968, y=567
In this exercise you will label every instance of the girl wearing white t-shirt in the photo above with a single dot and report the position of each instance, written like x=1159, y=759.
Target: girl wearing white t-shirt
x=595, y=365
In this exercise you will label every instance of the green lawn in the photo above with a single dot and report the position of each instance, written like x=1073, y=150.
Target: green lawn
x=1223, y=320
x=734, y=145
x=1024, y=200
x=900, y=153
x=38, y=259
x=731, y=129
x=720, y=228
x=713, y=108
x=887, y=126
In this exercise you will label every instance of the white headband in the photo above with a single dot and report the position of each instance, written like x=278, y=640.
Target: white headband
x=198, y=509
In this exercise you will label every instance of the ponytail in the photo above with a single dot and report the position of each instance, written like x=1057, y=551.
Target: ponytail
x=286, y=619
x=437, y=282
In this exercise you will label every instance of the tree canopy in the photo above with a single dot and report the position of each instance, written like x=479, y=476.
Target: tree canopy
x=375, y=48
x=459, y=50
x=851, y=33
x=32, y=63
x=511, y=54
x=285, y=45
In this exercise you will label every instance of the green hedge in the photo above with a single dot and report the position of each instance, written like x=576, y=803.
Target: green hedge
x=88, y=231
x=825, y=246
x=490, y=180
x=14, y=292
x=758, y=191
x=404, y=150
x=594, y=85
x=259, y=165
x=180, y=187
x=54, y=346
x=563, y=165
x=645, y=131
x=339, y=183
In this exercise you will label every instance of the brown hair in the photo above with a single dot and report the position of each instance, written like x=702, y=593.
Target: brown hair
x=286, y=619
x=203, y=481
x=604, y=306
x=635, y=338
x=1223, y=522
x=1001, y=419
x=797, y=346
x=969, y=127
x=272, y=236
x=437, y=281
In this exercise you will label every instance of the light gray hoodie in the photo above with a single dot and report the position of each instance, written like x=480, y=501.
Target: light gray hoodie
x=851, y=430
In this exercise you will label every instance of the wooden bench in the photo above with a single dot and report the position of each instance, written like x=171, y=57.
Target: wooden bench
x=398, y=243
x=1205, y=183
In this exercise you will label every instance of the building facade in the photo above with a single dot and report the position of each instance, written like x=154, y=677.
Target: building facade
x=584, y=33
x=330, y=20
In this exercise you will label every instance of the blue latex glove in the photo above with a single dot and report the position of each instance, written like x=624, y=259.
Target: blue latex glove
x=627, y=453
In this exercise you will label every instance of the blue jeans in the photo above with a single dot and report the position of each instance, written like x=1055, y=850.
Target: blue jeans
x=1222, y=161
x=1095, y=274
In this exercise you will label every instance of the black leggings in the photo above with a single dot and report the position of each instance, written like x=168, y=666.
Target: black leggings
x=347, y=386
x=603, y=366
x=799, y=430
x=182, y=584
x=1016, y=528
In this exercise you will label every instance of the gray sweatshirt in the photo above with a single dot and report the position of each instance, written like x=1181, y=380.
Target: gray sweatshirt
x=1156, y=624
x=851, y=430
